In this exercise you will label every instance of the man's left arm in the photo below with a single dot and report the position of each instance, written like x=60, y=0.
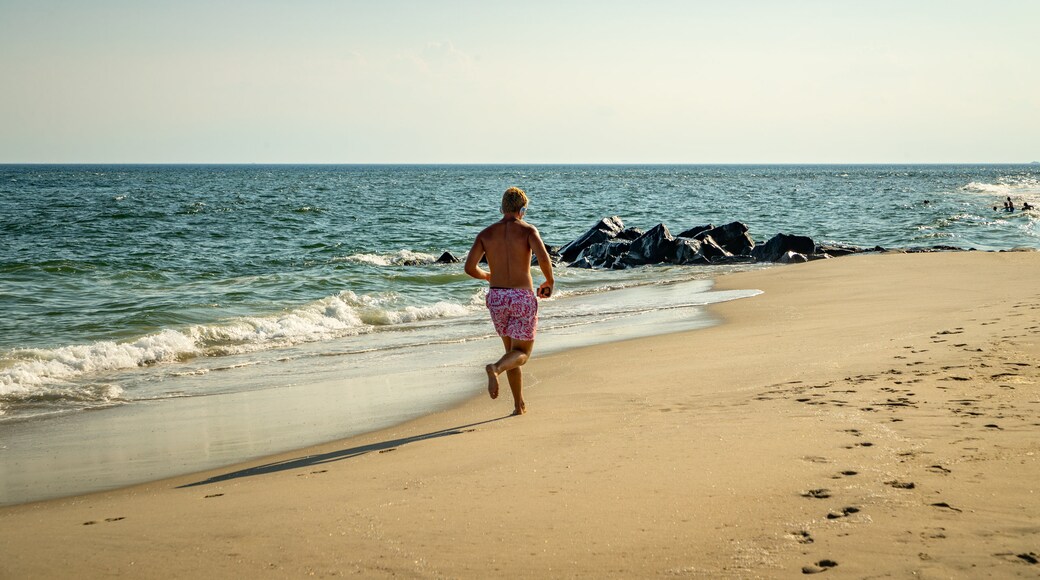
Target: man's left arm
x=544, y=263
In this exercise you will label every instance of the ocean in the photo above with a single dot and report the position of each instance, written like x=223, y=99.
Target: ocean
x=303, y=297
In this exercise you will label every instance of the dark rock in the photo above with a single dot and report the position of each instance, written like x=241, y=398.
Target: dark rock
x=554, y=256
x=732, y=237
x=837, y=251
x=447, y=258
x=780, y=244
x=653, y=247
x=692, y=232
x=582, y=263
x=606, y=229
x=793, y=258
x=688, y=251
x=712, y=251
x=604, y=254
x=629, y=234
x=724, y=260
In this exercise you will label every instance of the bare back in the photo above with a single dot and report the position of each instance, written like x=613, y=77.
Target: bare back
x=508, y=246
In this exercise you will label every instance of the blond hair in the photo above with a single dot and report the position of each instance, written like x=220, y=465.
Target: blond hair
x=513, y=199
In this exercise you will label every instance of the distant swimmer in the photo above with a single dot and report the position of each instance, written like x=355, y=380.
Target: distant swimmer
x=511, y=300
x=1009, y=205
x=1026, y=206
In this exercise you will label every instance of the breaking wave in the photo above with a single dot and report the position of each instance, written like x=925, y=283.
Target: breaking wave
x=399, y=258
x=1010, y=185
x=31, y=372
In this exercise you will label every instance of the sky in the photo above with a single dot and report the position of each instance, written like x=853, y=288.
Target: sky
x=528, y=81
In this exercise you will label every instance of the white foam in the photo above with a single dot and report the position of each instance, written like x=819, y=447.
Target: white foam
x=25, y=370
x=398, y=258
x=34, y=367
x=1006, y=186
x=326, y=318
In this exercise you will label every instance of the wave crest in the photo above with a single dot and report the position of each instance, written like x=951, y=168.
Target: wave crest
x=27, y=371
x=33, y=367
x=1010, y=185
x=399, y=258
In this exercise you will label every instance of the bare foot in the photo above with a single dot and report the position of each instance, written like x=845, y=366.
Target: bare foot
x=492, y=381
x=519, y=410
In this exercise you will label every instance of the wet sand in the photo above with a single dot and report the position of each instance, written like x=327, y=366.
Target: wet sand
x=869, y=416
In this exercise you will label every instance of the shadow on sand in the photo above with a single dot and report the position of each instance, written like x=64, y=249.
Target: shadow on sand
x=314, y=460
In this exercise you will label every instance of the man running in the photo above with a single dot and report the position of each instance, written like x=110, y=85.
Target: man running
x=508, y=245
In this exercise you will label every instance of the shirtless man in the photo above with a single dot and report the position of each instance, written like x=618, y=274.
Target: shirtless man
x=508, y=245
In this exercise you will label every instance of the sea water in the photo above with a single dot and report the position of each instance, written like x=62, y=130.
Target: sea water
x=139, y=293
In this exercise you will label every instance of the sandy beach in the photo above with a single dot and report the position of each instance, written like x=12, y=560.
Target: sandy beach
x=871, y=416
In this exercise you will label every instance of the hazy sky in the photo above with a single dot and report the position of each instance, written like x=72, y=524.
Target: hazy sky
x=644, y=81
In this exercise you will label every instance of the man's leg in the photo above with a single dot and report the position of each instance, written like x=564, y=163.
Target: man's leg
x=517, y=353
x=493, y=374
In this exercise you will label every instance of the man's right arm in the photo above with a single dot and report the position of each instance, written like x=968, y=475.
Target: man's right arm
x=473, y=261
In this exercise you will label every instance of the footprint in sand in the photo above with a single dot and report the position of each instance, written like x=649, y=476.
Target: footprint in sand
x=213, y=495
x=1030, y=557
x=901, y=484
x=801, y=536
x=315, y=472
x=938, y=469
x=821, y=493
x=934, y=534
x=845, y=511
x=821, y=566
x=945, y=505
x=91, y=523
x=860, y=444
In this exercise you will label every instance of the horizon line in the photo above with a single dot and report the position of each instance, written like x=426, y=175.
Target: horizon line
x=506, y=163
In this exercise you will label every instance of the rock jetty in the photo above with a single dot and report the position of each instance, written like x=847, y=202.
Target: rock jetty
x=608, y=244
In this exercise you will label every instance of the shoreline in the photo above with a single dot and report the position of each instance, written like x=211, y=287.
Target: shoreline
x=870, y=367
x=307, y=401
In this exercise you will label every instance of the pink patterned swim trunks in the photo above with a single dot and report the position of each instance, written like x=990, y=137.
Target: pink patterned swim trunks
x=514, y=311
